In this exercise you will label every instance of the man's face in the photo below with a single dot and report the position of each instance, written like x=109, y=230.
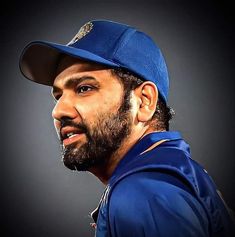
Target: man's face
x=91, y=116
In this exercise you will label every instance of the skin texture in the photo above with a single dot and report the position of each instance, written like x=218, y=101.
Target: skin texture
x=98, y=93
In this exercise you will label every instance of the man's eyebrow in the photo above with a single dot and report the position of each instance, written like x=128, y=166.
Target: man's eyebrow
x=72, y=82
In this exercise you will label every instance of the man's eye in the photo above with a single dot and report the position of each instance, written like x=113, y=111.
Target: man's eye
x=82, y=89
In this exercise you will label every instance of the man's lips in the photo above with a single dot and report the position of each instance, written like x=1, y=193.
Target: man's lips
x=72, y=139
x=70, y=134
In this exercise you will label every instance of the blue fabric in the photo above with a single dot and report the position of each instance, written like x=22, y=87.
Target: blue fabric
x=148, y=204
x=162, y=193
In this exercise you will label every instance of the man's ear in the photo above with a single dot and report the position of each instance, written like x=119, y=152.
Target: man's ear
x=147, y=94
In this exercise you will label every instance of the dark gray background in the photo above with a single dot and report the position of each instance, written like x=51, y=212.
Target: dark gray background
x=40, y=197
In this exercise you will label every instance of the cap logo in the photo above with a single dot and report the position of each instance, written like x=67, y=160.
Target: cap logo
x=84, y=30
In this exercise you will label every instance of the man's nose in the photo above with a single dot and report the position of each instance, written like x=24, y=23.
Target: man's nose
x=64, y=108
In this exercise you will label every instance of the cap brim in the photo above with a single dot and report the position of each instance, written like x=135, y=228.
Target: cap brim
x=39, y=60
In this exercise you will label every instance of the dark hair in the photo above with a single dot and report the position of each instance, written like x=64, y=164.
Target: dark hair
x=163, y=113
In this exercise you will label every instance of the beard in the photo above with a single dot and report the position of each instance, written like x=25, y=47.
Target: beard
x=103, y=139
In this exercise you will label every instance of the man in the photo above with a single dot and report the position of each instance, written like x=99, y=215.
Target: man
x=110, y=84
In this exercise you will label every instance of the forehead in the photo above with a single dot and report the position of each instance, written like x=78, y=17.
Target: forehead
x=68, y=67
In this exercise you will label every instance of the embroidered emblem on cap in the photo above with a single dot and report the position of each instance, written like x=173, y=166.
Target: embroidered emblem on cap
x=84, y=30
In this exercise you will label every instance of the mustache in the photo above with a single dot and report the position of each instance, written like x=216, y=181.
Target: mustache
x=68, y=122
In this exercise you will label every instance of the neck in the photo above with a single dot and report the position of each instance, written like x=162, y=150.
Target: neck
x=104, y=172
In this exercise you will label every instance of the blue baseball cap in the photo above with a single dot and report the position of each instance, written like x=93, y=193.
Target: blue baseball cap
x=106, y=42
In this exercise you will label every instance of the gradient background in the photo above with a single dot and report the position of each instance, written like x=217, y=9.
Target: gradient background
x=40, y=197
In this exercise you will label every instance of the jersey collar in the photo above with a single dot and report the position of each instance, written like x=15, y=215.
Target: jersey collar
x=143, y=144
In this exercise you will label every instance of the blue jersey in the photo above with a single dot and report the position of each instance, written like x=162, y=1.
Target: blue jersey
x=161, y=192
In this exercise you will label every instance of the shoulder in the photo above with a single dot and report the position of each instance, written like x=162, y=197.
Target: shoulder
x=149, y=184
x=151, y=201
